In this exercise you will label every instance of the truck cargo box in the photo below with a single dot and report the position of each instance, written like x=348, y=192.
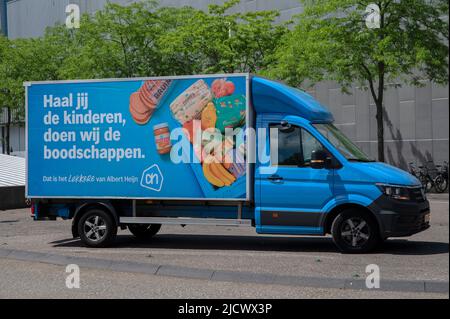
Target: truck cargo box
x=112, y=138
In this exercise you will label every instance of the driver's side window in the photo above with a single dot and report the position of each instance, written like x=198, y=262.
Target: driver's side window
x=295, y=146
x=309, y=144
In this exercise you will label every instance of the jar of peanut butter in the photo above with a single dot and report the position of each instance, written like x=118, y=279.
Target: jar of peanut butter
x=162, y=138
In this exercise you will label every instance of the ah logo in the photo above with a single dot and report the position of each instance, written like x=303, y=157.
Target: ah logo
x=152, y=178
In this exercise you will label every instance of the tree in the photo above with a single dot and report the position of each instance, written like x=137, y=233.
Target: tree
x=221, y=42
x=140, y=39
x=332, y=42
x=23, y=60
x=120, y=42
x=3, y=48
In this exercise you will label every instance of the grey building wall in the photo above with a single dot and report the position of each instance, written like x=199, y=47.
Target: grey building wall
x=417, y=119
x=3, y=23
x=29, y=18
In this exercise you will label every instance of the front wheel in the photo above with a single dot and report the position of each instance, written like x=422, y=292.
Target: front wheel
x=355, y=232
x=144, y=231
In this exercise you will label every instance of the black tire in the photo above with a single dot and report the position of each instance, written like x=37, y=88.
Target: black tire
x=426, y=183
x=440, y=184
x=97, y=228
x=144, y=231
x=360, y=238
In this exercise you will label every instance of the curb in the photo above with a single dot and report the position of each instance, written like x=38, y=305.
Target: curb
x=418, y=286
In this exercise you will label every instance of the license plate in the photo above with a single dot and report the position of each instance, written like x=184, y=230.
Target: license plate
x=427, y=218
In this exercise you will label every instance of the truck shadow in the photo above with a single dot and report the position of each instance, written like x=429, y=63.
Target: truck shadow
x=263, y=243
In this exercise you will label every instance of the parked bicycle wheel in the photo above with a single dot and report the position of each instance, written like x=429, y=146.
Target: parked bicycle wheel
x=440, y=184
x=427, y=184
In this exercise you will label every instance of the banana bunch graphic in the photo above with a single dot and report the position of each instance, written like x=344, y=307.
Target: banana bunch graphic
x=216, y=173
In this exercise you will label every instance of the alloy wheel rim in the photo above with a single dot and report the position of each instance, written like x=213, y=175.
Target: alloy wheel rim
x=355, y=232
x=95, y=228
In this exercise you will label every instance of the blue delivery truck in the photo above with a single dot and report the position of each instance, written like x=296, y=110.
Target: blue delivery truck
x=231, y=150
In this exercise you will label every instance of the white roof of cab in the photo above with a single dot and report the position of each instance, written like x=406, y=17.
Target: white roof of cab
x=12, y=171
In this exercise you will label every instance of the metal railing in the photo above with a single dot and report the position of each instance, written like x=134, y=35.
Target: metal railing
x=15, y=116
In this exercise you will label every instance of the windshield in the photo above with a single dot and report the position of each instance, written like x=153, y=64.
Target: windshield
x=342, y=143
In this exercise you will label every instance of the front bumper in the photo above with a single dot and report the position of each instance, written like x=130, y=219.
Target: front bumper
x=401, y=218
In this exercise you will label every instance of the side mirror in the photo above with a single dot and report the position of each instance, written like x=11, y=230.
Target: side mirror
x=286, y=127
x=319, y=159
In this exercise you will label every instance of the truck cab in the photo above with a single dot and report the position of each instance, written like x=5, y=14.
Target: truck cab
x=323, y=183
x=315, y=180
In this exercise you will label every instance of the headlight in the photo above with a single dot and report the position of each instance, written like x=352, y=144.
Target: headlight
x=395, y=192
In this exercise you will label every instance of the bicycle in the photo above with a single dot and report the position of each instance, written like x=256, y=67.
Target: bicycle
x=420, y=175
x=439, y=183
x=413, y=170
x=441, y=180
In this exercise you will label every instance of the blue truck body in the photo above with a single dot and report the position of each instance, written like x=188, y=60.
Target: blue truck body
x=324, y=184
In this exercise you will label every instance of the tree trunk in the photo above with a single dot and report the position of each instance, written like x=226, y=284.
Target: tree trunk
x=380, y=131
x=3, y=140
x=8, y=127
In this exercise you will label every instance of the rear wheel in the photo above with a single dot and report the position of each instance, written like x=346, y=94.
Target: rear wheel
x=355, y=232
x=440, y=184
x=97, y=228
x=144, y=231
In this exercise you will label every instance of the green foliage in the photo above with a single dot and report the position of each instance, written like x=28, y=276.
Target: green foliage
x=24, y=60
x=329, y=41
x=218, y=41
x=120, y=41
x=140, y=39
x=332, y=42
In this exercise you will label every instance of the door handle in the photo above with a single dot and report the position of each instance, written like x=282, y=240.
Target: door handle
x=275, y=178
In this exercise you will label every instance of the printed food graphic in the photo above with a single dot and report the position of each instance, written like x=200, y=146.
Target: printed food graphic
x=148, y=139
x=190, y=103
x=216, y=174
x=217, y=108
x=209, y=116
x=205, y=105
x=144, y=102
x=153, y=91
x=222, y=87
x=230, y=112
x=162, y=138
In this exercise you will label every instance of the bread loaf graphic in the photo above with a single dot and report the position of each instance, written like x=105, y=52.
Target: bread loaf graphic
x=190, y=104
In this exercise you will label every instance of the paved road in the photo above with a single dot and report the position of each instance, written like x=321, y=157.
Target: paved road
x=217, y=262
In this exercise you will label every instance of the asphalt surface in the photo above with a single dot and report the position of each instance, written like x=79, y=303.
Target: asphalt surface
x=217, y=262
